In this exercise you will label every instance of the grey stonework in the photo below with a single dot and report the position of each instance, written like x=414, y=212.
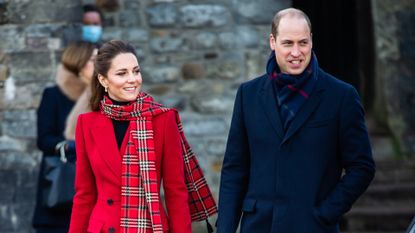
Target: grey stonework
x=395, y=69
x=193, y=55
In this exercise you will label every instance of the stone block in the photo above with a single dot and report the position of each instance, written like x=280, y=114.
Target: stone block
x=19, y=161
x=161, y=74
x=174, y=101
x=111, y=33
x=11, y=144
x=216, y=146
x=29, y=61
x=213, y=104
x=162, y=15
x=160, y=89
x=21, y=96
x=255, y=62
x=19, y=124
x=167, y=44
x=258, y=12
x=136, y=35
x=193, y=71
x=27, y=76
x=228, y=69
x=247, y=37
x=204, y=15
x=12, y=38
x=204, y=40
x=129, y=19
x=27, y=11
x=203, y=126
x=40, y=36
x=193, y=87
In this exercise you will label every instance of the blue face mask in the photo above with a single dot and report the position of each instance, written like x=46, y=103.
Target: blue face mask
x=91, y=33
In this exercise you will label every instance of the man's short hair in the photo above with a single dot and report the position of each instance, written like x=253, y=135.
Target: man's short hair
x=293, y=12
x=92, y=8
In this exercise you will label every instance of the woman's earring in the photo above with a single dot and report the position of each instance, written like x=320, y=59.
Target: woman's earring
x=106, y=89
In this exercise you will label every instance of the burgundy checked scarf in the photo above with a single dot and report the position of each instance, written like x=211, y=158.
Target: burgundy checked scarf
x=140, y=206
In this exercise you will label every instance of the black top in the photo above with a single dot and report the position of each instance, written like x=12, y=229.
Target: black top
x=120, y=127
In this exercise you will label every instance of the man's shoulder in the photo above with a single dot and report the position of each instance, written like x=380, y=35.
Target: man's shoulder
x=255, y=82
x=333, y=82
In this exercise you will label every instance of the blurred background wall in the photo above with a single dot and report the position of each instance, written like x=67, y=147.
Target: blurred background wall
x=194, y=54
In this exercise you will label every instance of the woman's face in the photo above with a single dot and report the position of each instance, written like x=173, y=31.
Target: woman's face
x=88, y=70
x=123, y=80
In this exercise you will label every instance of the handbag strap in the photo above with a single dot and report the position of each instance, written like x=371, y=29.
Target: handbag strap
x=61, y=148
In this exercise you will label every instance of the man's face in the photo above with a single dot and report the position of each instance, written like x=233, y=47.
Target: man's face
x=292, y=45
x=91, y=18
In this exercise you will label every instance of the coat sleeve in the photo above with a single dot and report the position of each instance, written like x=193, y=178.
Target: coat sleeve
x=47, y=123
x=176, y=194
x=235, y=171
x=85, y=187
x=356, y=160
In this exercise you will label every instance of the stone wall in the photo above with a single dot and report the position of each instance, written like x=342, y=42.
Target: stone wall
x=193, y=54
x=395, y=70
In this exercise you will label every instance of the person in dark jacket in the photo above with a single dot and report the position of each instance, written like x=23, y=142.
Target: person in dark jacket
x=72, y=77
x=294, y=131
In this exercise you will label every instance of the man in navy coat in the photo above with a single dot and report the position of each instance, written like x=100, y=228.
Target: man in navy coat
x=298, y=153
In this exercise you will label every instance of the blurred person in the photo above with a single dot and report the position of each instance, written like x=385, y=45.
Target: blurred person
x=55, y=129
x=126, y=148
x=294, y=131
x=91, y=24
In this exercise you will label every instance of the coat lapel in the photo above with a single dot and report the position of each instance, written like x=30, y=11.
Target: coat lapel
x=270, y=107
x=103, y=133
x=305, y=111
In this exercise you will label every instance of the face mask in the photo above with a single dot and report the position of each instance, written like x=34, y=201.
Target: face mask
x=91, y=33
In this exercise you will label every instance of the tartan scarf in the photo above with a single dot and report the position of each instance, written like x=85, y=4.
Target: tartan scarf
x=292, y=91
x=140, y=205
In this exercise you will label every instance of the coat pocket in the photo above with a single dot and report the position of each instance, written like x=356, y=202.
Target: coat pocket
x=94, y=226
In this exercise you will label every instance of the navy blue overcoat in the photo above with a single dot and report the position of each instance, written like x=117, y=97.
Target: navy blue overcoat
x=276, y=181
x=52, y=113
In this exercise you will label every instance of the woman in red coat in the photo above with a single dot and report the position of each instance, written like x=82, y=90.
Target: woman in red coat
x=126, y=148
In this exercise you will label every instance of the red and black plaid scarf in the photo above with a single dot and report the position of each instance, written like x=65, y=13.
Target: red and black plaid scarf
x=140, y=206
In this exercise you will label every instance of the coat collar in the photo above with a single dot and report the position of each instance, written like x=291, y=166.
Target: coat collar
x=104, y=137
x=269, y=104
x=69, y=83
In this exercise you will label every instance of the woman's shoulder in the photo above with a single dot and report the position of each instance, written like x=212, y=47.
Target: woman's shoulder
x=168, y=114
x=91, y=116
x=166, y=117
x=52, y=91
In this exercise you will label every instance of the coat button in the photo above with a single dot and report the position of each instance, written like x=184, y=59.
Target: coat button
x=111, y=230
x=110, y=202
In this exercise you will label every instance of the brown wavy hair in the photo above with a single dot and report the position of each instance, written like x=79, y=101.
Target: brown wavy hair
x=103, y=61
x=76, y=55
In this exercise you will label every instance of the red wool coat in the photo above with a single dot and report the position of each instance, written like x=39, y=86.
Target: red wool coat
x=96, y=205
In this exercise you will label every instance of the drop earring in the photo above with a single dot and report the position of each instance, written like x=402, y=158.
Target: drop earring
x=106, y=89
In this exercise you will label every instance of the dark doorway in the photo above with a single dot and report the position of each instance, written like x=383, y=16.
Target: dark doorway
x=343, y=41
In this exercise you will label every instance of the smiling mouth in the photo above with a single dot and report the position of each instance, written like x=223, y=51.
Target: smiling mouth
x=296, y=62
x=129, y=88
